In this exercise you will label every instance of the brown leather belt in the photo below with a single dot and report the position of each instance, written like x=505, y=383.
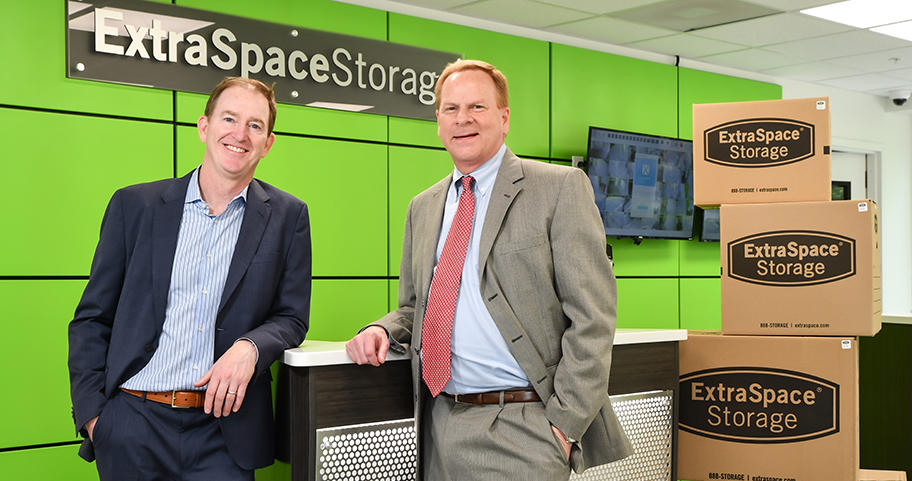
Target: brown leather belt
x=494, y=397
x=175, y=399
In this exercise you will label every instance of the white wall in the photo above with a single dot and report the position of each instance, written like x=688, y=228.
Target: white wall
x=861, y=123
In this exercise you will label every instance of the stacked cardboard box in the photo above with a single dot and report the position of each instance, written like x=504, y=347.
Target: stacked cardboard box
x=762, y=152
x=774, y=396
x=798, y=269
x=761, y=408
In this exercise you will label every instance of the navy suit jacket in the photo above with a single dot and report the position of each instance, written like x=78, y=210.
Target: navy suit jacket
x=118, y=321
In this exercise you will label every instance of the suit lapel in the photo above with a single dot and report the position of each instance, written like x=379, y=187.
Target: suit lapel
x=256, y=217
x=430, y=237
x=165, y=229
x=504, y=192
x=429, y=220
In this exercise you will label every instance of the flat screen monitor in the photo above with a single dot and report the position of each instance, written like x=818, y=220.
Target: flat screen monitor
x=643, y=184
x=710, y=232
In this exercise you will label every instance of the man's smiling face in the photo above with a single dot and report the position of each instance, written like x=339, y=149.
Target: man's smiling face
x=236, y=133
x=469, y=123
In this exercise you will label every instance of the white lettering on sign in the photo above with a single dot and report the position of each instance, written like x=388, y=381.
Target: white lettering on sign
x=159, y=44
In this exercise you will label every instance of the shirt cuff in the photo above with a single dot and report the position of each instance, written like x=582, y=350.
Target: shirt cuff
x=394, y=345
x=254, y=347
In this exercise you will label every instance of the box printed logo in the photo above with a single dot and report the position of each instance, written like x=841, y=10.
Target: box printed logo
x=758, y=405
x=759, y=142
x=791, y=258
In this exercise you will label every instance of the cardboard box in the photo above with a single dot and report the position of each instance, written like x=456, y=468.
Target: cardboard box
x=758, y=408
x=801, y=269
x=761, y=152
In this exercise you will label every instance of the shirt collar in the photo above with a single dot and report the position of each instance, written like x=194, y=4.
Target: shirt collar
x=485, y=175
x=194, y=194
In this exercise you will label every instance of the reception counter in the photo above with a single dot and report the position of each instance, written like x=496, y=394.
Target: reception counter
x=339, y=421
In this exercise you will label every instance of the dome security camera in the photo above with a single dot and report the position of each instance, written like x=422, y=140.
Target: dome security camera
x=899, y=97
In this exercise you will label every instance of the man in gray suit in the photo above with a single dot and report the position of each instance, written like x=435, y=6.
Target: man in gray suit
x=518, y=389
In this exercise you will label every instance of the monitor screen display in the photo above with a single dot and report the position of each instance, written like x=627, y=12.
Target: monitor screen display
x=643, y=183
x=710, y=231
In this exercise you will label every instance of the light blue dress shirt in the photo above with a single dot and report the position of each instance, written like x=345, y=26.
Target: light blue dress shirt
x=481, y=360
x=205, y=246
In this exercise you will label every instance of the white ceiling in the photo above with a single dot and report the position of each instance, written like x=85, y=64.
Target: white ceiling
x=788, y=44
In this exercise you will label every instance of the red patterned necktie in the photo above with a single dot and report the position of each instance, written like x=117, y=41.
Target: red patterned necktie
x=438, y=320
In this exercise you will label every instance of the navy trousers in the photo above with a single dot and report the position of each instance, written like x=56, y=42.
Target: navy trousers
x=136, y=439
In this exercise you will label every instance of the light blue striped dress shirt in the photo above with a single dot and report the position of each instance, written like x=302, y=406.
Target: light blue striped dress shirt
x=481, y=359
x=205, y=246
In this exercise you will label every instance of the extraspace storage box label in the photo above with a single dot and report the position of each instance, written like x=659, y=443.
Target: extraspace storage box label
x=760, y=152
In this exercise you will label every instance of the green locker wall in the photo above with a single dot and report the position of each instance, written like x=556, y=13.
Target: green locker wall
x=34, y=350
x=78, y=141
x=345, y=187
x=603, y=90
x=411, y=171
x=47, y=463
x=58, y=193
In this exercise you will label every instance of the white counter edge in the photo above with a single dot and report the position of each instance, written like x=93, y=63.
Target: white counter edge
x=328, y=353
x=896, y=319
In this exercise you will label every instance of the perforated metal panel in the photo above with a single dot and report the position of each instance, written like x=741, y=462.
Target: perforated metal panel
x=646, y=419
x=371, y=451
x=386, y=451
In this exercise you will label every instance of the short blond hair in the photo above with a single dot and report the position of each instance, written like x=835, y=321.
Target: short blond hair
x=249, y=83
x=500, y=80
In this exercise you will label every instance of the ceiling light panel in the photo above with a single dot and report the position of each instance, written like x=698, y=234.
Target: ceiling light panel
x=687, y=15
x=899, y=30
x=599, y=7
x=864, y=13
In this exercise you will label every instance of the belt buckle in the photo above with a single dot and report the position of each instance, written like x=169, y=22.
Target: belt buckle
x=173, y=397
x=473, y=399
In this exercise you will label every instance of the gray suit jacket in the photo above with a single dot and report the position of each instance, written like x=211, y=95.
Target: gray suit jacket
x=549, y=287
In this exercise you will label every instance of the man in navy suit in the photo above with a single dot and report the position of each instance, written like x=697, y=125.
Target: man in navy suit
x=197, y=286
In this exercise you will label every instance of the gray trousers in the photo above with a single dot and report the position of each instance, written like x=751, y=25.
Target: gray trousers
x=467, y=442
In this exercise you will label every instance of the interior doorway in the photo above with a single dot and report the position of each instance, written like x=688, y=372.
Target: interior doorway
x=849, y=176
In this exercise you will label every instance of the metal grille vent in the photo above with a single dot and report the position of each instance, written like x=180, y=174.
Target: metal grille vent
x=646, y=419
x=386, y=451
x=371, y=451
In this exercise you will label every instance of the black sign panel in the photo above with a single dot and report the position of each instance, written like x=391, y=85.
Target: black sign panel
x=791, y=258
x=759, y=142
x=758, y=405
x=176, y=48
